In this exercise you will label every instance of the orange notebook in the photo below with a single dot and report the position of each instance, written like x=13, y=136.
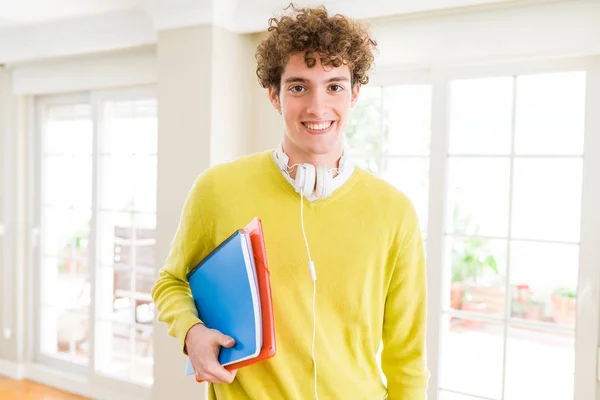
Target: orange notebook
x=268, y=348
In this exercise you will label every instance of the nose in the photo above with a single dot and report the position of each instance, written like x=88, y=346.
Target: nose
x=317, y=104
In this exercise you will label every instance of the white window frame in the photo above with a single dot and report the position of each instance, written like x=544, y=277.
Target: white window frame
x=46, y=369
x=588, y=298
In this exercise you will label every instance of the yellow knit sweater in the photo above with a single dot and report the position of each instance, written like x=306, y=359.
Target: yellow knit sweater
x=366, y=245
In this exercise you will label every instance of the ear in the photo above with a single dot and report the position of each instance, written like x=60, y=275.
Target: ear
x=274, y=97
x=355, y=92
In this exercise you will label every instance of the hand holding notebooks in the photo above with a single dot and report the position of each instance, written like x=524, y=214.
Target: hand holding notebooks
x=232, y=293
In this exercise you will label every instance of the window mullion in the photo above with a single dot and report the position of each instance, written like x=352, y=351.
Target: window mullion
x=588, y=286
x=435, y=230
x=93, y=256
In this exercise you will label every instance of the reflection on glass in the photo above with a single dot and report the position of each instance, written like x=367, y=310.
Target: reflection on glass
x=363, y=129
x=407, y=119
x=478, y=197
x=477, y=270
x=544, y=281
x=481, y=116
x=539, y=365
x=471, y=355
x=547, y=199
x=550, y=113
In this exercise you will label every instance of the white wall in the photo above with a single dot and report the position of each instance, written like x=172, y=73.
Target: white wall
x=8, y=321
x=232, y=102
x=184, y=142
x=562, y=28
x=96, y=71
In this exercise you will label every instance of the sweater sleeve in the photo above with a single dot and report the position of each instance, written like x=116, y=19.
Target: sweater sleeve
x=171, y=292
x=403, y=355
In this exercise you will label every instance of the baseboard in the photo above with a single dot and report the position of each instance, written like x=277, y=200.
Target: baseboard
x=12, y=370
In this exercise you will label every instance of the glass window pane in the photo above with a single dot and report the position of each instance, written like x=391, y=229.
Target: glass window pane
x=471, y=357
x=477, y=271
x=115, y=231
x=411, y=176
x=65, y=283
x=481, y=116
x=67, y=181
x=117, y=182
x=130, y=127
x=539, y=365
x=547, y=199
x=113, y=299
x=68, y=129
x=544, y=281
x=64, y=334
x=114, y=349
x=65, y=232
x=144, y=353
x=369, y=165
x=144, y=282
x=550, y=113
x=363, y=130
x=407, y=119
x=144, y=170
x=478, y=196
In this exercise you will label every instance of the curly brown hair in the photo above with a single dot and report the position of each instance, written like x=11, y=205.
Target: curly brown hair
x=335, y=39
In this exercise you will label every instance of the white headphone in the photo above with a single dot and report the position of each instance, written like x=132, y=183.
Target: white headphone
x=311, y=181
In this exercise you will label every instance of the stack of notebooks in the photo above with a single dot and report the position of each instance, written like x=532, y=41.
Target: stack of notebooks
x=232, y=292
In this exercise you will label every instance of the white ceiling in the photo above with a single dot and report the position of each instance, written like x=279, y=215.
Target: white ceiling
x=36, y=29
x=20, y=12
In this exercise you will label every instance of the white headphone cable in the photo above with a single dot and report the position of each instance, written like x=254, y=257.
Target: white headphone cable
x=313, y=275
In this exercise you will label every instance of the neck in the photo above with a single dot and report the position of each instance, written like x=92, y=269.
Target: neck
x=298, y=156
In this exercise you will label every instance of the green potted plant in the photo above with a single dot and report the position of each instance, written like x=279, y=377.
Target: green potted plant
x=470, y=261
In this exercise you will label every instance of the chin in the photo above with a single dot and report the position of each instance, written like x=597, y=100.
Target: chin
x=320, y=145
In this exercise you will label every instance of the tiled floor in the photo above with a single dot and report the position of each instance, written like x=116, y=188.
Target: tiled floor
x=27, y=390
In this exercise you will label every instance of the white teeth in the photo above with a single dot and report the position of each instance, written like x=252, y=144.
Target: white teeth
x=318, y=127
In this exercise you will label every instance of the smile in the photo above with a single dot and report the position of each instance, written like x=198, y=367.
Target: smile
x=318, y=127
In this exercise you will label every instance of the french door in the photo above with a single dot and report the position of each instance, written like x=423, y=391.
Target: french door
x=502, y=165
x=95, y=209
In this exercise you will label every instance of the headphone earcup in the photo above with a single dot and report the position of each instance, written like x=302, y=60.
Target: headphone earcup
x=324, y=184
x=305, y=179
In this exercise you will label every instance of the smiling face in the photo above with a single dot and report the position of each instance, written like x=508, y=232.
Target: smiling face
x=315, y=103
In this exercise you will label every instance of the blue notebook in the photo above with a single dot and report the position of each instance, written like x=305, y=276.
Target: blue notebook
x=225, y=290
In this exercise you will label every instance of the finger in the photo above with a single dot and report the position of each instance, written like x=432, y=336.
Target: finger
x=225, y=341
x=207, y=377
x=221, y=374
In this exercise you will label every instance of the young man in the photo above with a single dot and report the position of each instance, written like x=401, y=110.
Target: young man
x=361, y=233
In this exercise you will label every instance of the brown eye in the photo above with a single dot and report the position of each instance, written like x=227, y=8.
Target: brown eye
x=296, y=89
x=336, y=88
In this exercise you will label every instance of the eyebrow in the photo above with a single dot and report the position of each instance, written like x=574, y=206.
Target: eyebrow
x=303, y=80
